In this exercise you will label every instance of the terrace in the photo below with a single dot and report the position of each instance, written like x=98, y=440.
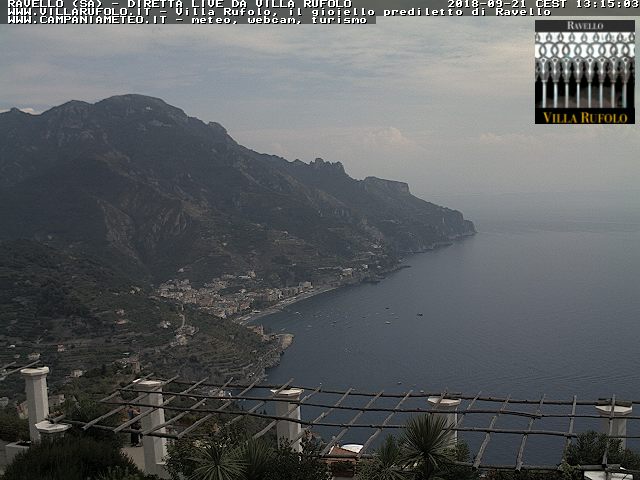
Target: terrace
x=295, y=411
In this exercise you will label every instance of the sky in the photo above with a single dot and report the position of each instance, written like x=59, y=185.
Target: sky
x=445, y=104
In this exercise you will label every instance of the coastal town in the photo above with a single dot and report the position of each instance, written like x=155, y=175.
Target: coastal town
x=230, y=301
x=229, y=295
x=246, y=296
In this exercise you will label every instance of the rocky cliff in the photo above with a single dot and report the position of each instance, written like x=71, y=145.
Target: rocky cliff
x=140, y=184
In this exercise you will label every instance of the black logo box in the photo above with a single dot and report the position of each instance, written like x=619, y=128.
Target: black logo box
x=569, y=112
x=587, y=25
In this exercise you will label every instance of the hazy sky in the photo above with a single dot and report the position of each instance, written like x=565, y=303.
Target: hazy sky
x=445, y=104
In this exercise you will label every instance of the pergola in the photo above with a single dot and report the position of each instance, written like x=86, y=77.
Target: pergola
x=349, y=413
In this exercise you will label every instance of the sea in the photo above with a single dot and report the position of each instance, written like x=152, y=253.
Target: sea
x=543, y=303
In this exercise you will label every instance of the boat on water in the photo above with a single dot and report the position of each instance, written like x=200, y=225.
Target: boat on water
x=388, y=323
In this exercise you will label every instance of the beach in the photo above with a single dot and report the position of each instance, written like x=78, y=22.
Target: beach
x=248, y=318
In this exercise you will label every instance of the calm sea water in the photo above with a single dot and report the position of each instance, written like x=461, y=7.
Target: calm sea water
x=544, y=300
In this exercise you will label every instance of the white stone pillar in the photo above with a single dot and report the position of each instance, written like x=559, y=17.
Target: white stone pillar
x=448, y=410
x=619, y=426
x=284, y=429
x=51, y=431
x=37, y=398
x=607, y=476
x=154, y=448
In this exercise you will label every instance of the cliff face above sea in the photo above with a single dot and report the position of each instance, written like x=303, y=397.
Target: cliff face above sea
x=139, y=184
x=129, y=226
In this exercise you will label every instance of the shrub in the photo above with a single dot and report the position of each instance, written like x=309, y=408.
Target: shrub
x=13, y=428
x=234, y=458
x=587, y=449
x=118, y=473
x=287, y=464
x=71, y=458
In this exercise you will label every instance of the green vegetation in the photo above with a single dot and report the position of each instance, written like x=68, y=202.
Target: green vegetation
x=230, y=453
x=386, y=464
x=233, y=455
x=12, y=428
x=587, y=449
x=181, y=196
x=119, y=473
x=426, y=445
x=72, y=458
x=425, y=451
x=79, y=455
x=50, y=298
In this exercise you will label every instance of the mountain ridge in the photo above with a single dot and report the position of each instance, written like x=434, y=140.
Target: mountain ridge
x=147, y=187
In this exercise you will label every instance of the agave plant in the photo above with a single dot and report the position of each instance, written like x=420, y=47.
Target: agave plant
x=257, y=455
x=216, y=461
x=426, y=446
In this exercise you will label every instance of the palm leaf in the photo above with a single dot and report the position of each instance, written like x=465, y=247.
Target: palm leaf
x=257, y=455
x=218, y=462
x=426, y=445
x=386, y=464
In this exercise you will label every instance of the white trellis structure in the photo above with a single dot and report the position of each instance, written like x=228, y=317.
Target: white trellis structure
x=282, y=409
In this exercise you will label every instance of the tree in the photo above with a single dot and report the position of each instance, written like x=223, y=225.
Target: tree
x=451, y=471
x=287, y=464
x=386, y=463
x=71, y=458
x=238, y=458
x=588, y=449
x=13, y=428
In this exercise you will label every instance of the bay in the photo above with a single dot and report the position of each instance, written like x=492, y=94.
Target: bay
x=544, y=300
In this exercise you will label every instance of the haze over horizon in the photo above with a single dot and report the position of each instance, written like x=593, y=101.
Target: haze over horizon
x=138, y=243
x=449, y=114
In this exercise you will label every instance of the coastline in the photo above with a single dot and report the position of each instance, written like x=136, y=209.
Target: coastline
x=249, y=318
x=280, y=306
x=252, y=317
